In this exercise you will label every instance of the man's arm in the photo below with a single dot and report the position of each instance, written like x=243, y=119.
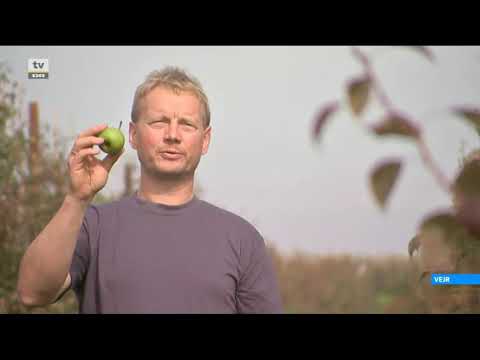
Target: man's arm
x=258, y=290
x=44, y=269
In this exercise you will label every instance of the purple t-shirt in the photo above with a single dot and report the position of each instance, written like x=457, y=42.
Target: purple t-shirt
x=135, y=256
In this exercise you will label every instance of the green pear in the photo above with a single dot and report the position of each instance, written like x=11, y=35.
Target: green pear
x=114, y=140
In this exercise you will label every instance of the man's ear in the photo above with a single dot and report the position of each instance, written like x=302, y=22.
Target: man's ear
x=132, y=134
x=206, y=140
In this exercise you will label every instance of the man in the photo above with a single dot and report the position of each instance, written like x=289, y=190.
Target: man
x=161, y=250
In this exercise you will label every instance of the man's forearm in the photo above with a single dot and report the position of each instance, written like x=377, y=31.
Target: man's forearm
x=46, y=262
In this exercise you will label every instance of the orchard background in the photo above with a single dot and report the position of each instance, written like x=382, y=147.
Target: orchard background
x=33, y=182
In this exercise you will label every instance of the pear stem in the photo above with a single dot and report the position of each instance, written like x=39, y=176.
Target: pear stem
x=119, y=126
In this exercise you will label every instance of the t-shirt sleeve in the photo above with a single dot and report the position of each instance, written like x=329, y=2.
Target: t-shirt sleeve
x=81, y=256
x=258, y=290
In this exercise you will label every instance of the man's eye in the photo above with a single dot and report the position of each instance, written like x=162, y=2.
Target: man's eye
x=189, y=125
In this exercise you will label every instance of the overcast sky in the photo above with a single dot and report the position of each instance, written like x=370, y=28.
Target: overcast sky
x=262, y=163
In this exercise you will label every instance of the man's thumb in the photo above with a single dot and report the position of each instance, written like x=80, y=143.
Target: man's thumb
x=110, y=159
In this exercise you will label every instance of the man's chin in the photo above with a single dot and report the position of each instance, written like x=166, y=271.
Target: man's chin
x=170, y=174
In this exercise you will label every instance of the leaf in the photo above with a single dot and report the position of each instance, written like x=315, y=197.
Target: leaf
x=468, y=214
x=358, y=94
x=321, y=118
x=382, y=180
x=444, y=220
x=467, y=181
x=396, y=125
x=473, y=155
x=413, y=245
x=471, y=114
x=466, y=189
x=443, y=239
x=435, y=255
x=424, y=51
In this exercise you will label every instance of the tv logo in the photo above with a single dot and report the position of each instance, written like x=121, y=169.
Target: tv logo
x=38, y=68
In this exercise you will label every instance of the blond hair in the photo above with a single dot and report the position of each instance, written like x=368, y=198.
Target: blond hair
x=175, y=79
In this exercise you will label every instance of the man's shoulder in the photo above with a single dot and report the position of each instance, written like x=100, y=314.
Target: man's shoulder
x=222, y=212
x=108, y=207
x=236, y=221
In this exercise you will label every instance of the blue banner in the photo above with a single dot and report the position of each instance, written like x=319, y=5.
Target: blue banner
x=455, y=279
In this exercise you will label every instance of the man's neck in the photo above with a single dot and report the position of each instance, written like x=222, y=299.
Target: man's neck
x=166, y=191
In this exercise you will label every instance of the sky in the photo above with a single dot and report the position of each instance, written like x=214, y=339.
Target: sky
x=302, y=196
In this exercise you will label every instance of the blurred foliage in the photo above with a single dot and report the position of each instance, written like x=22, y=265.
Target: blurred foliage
x=308, y=283
x=448, y=240
x=346, y=284
x=27, y=201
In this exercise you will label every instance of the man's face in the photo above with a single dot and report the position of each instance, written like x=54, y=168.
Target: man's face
x=169, y=122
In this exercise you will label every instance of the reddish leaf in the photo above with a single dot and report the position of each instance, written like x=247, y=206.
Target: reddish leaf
x=467, y=181
x=473, y=155
x=468, y=214
x=443, y=238
x=383, y=178
x=443, y=219
x=467, y=196
x=358, y=94
x=396, y=125
x=471, y=114
x=322, y=117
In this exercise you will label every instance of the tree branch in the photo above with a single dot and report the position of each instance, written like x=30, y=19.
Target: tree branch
x=432, y=166
x=387, y=104
x=381, y=94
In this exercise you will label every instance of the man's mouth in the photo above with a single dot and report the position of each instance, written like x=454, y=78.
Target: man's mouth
x=171, y=155
x=171, y=151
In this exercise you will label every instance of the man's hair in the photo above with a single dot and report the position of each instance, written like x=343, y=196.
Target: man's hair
x=175, y=79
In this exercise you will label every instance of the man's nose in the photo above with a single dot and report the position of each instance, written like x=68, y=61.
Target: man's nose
x=172, y=133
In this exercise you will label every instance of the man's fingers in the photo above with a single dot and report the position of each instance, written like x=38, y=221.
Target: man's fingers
x=93, y=131
x=109, y=160
x=88, y=141
x=80, y=155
